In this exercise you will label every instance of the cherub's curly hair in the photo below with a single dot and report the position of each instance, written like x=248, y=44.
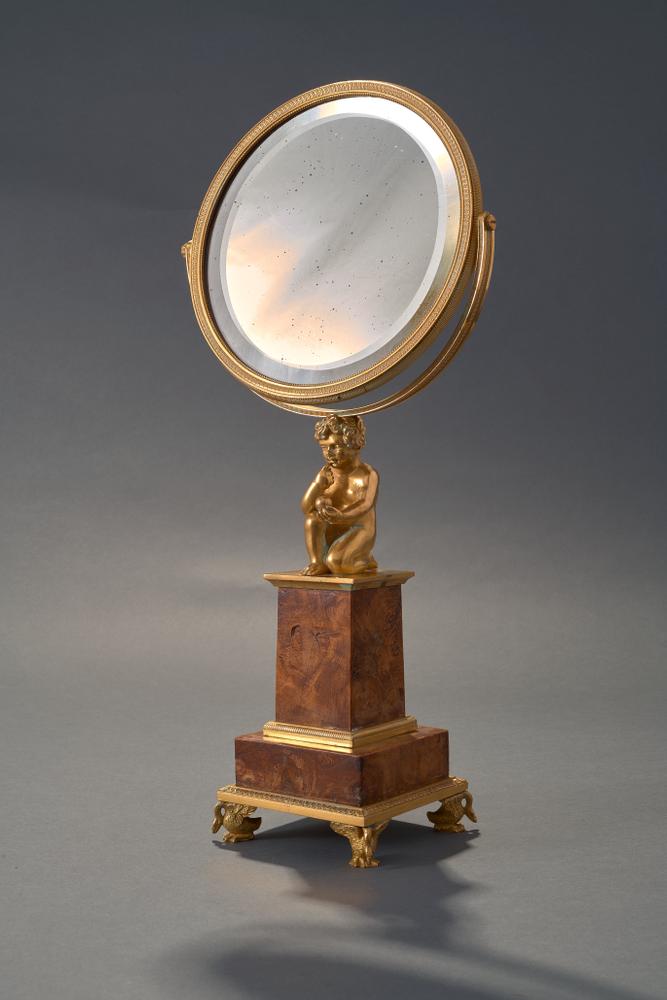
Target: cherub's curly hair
x=351, y=429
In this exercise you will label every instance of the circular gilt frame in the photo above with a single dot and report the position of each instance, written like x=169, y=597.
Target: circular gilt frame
x=449, y=295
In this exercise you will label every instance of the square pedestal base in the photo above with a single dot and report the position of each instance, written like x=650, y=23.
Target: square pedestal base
x=372, y=774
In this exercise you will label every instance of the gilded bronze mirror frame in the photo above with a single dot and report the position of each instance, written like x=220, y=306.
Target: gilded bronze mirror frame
x=470, y=270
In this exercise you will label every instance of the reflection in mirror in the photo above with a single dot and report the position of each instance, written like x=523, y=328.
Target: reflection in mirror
x=333, y=240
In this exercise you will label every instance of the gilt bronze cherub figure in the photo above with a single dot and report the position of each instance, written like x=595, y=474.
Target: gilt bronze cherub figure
x=340, y=502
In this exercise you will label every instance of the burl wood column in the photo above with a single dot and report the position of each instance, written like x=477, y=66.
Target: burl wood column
x=340, y=731
x=340, y=657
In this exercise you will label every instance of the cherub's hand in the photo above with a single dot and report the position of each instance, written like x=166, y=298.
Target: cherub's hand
x=326, y=511
x=330, y=514
x=324, y=477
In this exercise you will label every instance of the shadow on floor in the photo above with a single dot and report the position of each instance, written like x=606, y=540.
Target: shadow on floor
x=413, y=897
x=408, y=933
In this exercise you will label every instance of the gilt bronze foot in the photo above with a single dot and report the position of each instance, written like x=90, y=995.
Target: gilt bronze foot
x=234, y=818
x=447, y=819
x=363, y=841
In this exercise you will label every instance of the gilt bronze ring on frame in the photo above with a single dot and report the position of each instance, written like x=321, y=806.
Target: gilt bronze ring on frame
x=469, y=271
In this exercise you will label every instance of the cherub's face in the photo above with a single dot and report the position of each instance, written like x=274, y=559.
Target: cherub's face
x=336, y=452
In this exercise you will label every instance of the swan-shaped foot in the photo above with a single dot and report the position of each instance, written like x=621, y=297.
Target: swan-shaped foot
x=447, y=819
x=363, y=841
x=234, y=817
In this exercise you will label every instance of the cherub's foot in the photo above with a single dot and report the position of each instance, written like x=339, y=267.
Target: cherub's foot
x=315, y=569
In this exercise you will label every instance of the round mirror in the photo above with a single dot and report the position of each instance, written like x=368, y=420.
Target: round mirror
x=335, y=241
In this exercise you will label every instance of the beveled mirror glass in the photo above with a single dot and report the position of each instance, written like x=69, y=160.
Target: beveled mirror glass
x=333, y=239
x=335, y=242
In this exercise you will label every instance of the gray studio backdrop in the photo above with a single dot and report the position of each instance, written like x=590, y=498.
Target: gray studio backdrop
x=145, y=492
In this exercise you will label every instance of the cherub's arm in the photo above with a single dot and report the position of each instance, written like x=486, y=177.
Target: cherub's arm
x=361, y=507
x=319, y=484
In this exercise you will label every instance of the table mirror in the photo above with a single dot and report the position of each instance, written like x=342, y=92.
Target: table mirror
x=342, y=251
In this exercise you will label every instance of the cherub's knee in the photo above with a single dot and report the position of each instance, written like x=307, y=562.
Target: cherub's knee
x=334, y=563
x=313, y=526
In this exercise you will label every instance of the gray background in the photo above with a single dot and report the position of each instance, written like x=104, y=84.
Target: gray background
x=145, y=492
